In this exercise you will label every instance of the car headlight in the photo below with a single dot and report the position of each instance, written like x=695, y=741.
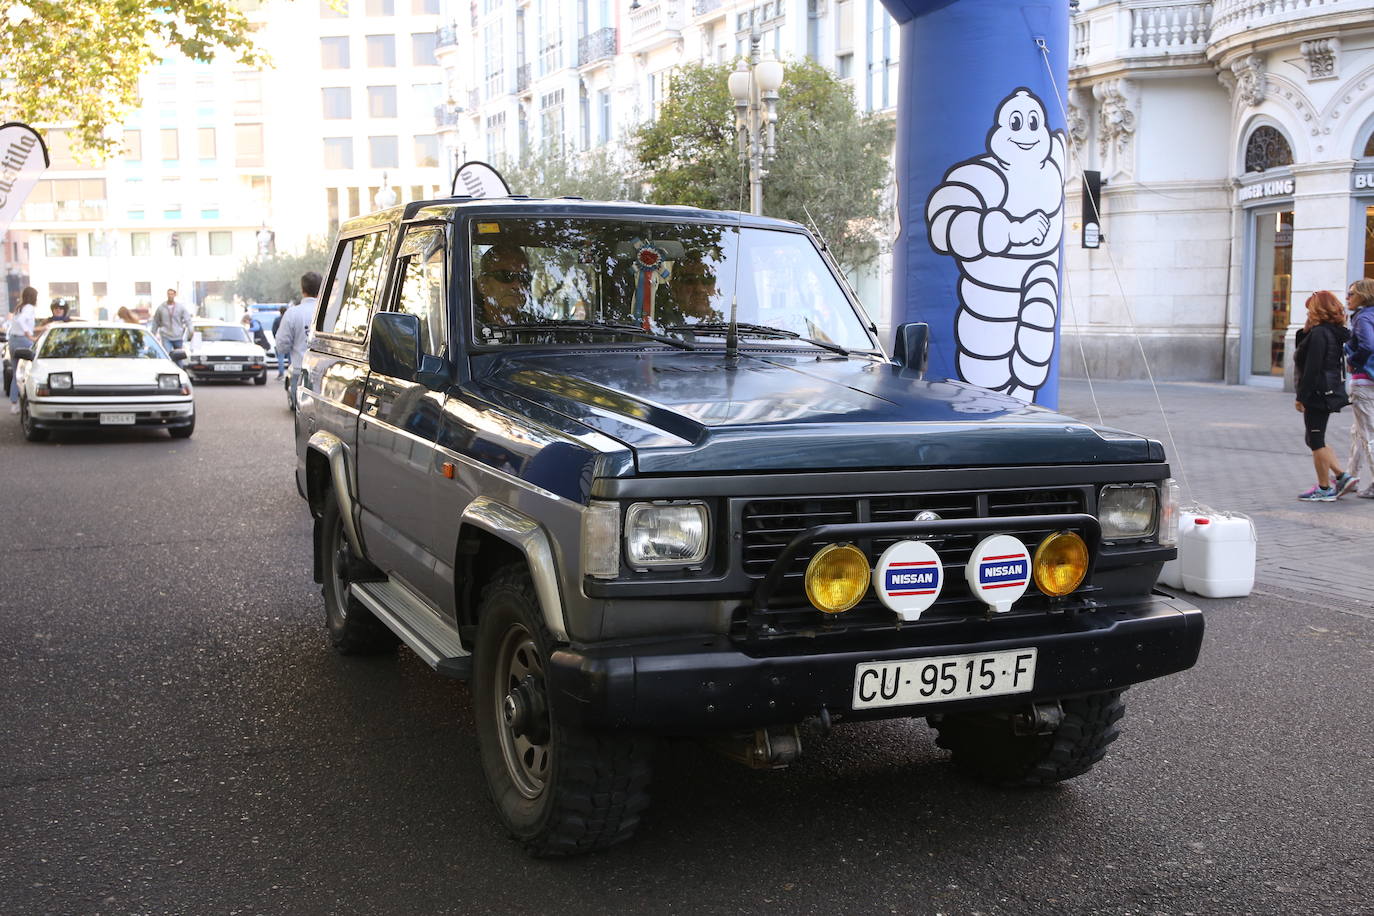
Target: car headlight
x=665, y=534
x=60, y=381
x=169, y=381
x=1127, y=510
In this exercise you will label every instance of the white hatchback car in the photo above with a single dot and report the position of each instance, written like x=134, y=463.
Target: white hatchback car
x=224, y=350
x=102, y=374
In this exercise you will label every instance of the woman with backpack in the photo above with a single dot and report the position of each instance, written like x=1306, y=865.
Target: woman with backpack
x=1319, y=377
x=1359, y=350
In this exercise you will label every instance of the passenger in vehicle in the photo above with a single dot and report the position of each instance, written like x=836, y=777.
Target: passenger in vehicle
x=503, y=286
x=692, y=292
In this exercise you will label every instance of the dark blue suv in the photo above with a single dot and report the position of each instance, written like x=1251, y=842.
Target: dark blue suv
x=647, y=471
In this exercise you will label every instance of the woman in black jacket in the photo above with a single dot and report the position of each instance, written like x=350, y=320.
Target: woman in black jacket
x=1321, y=390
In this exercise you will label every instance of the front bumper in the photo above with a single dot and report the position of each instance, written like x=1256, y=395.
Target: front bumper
x=73, y=413
x=711, y=684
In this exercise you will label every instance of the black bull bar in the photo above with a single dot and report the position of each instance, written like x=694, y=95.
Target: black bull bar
x=1086, y=526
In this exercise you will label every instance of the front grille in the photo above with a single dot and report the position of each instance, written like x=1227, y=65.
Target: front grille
x=768, y=526
x=113, y=391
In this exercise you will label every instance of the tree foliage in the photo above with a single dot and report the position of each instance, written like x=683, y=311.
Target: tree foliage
x=277, y=277
x=832, y=160
x=597, y=174
x=79, y=61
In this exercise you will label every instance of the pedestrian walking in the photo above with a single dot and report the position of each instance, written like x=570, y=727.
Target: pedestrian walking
x=295, y=333
x=172, y=322
x=20, y=332
x=1318, y=363
x=276, y=329
x=1359, y=351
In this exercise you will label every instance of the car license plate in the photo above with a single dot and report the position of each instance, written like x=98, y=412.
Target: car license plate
x=227, y=367
x=116, y=419
x=914, y=681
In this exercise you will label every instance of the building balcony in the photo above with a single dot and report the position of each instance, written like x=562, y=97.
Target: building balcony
x=1239, y=22
x=447, y=35
x=522, y=78
x=447, y=115
x=657, y=22
x=1148, y=33
x=599, y=45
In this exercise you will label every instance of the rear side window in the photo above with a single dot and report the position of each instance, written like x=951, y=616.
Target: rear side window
x=353, y=288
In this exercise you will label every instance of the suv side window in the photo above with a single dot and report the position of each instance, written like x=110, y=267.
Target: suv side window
x=354, y=287
x=420, y=265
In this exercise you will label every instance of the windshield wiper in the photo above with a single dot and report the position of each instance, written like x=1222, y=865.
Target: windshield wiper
x=604, y=327
x=717, y=328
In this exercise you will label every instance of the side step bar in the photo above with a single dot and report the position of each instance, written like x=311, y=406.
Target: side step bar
x=433, y=639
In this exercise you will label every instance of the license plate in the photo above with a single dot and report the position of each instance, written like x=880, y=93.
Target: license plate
x=227, y=367
x=914, y=681
x=116, y=419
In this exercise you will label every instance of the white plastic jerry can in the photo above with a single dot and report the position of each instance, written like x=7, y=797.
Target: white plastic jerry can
x=1217, y=556
x=1171, y=575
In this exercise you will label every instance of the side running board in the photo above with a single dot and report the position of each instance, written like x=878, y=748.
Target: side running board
x=429, y=636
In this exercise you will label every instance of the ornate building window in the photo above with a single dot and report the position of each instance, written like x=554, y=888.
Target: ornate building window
x=1267, y=148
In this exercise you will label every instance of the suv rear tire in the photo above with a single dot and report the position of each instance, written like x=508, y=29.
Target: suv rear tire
x=353, y=630
x=984, y=744
x=560, y=790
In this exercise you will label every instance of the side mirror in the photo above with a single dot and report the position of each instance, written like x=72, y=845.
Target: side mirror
x=177, y=355
x=22, y=353
x=912, y=346
x=393, y=347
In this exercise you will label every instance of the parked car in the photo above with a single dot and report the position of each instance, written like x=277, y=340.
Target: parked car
x=102, y=374
x=266, y=314
x=645, y=471
x=224, y=350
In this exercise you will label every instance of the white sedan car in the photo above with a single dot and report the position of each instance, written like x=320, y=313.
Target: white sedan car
x=224, y=350
x=102, y=374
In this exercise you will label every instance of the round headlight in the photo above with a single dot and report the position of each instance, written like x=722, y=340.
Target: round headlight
x=1061, y=562
x=837, y=578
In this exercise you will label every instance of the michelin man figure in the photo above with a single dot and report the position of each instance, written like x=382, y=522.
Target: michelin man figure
x=1000, y=216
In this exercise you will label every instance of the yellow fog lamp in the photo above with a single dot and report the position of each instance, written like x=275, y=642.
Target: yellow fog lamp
x=1060, y=563
x=837, y=578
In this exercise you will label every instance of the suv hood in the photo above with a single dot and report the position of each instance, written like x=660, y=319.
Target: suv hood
x=686, y=412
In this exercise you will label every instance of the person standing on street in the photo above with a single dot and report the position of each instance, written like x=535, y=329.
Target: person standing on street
x=276, y=329
x=21, y=331
x=172, y=322
x=1359, y=350
x=1317, y=376
x=295, y=333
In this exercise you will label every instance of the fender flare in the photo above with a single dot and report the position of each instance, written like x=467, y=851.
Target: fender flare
x=527, y=536
x=335, y=451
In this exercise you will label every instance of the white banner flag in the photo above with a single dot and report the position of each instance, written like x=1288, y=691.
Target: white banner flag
x=23, y=157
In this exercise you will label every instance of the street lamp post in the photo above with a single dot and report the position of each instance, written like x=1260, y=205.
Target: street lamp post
x=754, y=87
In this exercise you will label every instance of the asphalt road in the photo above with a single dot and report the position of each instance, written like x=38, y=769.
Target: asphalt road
x=178, y=738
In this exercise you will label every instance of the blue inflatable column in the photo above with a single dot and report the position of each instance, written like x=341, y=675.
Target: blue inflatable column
x=980, y=188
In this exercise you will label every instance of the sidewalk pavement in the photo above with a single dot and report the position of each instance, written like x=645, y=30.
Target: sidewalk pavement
x=1241, y=449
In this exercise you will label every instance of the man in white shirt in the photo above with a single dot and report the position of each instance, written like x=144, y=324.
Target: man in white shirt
x=20, y=331
x=293, y=336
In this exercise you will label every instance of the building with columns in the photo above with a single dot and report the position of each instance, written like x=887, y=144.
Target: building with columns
x=1235, y=142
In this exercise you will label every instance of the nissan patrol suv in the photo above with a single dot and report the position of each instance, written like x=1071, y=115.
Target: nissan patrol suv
x=638, y=472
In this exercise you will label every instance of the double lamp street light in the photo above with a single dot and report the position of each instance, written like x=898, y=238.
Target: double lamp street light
x=754, y=87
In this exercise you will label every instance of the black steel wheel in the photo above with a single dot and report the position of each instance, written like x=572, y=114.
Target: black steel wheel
x=184, y=431
x=559, y=789
x=987, y=746
x=353, y=630
x=260, y=378
x=32, y=432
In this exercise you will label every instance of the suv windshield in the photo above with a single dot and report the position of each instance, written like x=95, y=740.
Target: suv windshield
x=210, y=333
x=553, y=280
x=99, y=343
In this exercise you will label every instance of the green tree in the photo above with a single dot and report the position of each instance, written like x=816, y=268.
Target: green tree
x=79, y=61
x=277, y=277
x=597, y=174
x=832, y=160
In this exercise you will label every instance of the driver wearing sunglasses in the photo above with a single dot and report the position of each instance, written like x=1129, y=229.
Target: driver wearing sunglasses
x=503, y=285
